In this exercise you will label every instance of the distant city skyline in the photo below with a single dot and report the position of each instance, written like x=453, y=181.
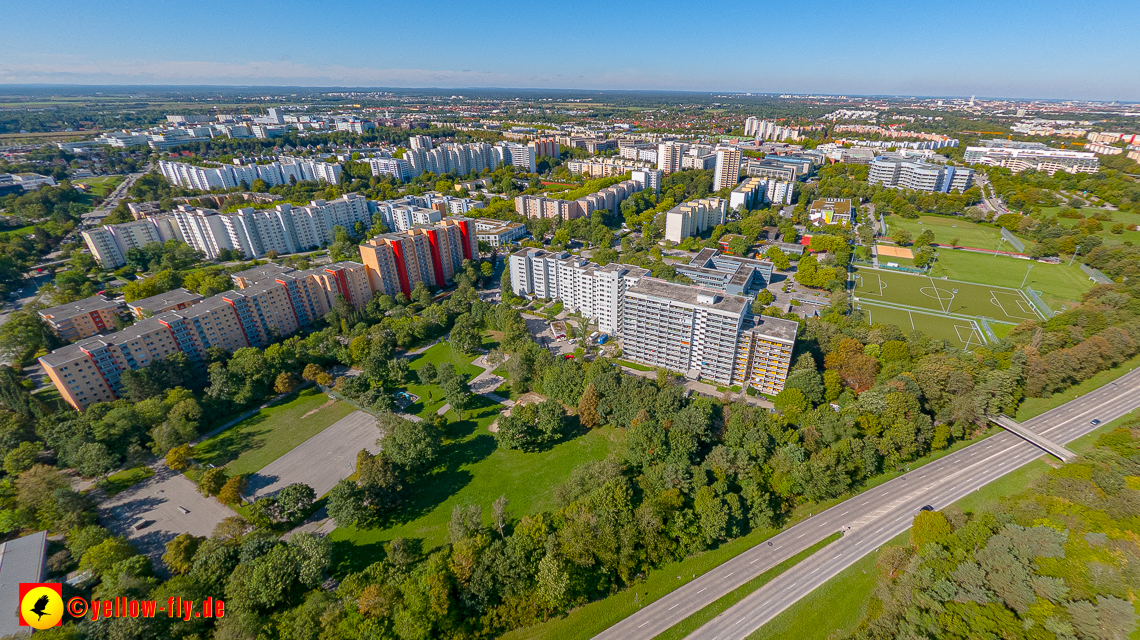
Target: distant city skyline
x=1049, y=50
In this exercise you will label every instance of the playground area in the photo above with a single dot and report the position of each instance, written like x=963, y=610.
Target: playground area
x=963, y=333
x=943, y=296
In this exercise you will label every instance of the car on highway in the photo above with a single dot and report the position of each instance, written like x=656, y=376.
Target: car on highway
x=927, y=508
x=1095, y=422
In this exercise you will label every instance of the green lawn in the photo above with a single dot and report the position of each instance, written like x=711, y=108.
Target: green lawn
x=634, y=365
x=474, y=471
x=1059, y=284
x=271, y=433
x=694, y=622
x=121, y=481
x=1105, y=233
x=833, y=610
x=969, y=234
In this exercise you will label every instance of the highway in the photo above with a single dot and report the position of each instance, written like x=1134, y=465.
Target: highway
x=867, y=521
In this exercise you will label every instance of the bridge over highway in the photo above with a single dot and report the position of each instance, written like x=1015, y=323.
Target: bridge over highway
x=1018, y=429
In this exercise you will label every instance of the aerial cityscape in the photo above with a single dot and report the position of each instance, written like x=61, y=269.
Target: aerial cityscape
x=778, y=337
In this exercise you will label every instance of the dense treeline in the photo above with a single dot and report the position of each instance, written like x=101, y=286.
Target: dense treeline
x=1060, y=560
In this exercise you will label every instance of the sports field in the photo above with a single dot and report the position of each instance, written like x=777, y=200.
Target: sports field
x=1060, y=284
x=945, y=229
x=944, y=296
x=960, y=332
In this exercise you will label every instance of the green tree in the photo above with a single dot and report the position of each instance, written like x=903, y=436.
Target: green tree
x=22, y=458
x=231, y=492
x=588, y=407
x=179, y=555
x=212, y=481
x=95, y=460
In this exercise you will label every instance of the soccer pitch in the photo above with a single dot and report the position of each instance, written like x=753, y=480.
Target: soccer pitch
x=960, y=332
x=944, y=296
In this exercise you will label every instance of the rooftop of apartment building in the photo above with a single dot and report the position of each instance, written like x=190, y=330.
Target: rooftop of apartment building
x=841, y=206
x=499, y=228
x=168, y=299
x=688, y=295
x=263, y=272
x=778, y=328
x=80, y=307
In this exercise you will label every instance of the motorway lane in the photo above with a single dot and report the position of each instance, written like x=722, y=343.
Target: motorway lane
x=1002, y=454
x=868, y=520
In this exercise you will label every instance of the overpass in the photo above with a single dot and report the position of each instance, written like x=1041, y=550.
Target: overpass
x=1034, y=438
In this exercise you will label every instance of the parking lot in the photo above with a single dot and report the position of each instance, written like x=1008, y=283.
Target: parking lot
x=165, y=505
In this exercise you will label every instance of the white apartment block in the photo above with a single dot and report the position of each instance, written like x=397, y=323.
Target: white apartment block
x=284, y=229
x=401, y=216
x=109, y=244
x=727, y=172
x=282, y=171
x=693, y=217
x=1047, y=160
x=764, y=130
x=702, y=333
x=596, y=292
x=893, y=171
x=397, y=167
x=669, y=156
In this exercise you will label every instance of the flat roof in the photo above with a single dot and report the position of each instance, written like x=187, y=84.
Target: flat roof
x=262, y=272
x=656, y=288
x=21, y=560
x=778, y=328
x=167, y=299
x=80, y=307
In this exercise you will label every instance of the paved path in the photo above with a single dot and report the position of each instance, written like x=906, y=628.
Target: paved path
x=157, y=501
x=705, y=389
x=485, y=383
x=868, y=520
x=321, y=461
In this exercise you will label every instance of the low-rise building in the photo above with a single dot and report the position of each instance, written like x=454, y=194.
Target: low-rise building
x=824, y=211
x=498, y=233
x=1018, y=159
x=734, y=275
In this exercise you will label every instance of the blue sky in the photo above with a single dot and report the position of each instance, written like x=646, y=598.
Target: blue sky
x=1030, y=48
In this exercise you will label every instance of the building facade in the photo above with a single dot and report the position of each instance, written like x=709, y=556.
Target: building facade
x=83, y=318
x=273, y=303
x=727, y=172
x=1040, y=159
x=694, y=217
x=893, y=171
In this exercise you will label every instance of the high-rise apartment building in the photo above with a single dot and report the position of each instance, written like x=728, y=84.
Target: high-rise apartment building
x=609, y=198
x=895, y=171
x=700, y=332
x=227, y=176
x=669, y=156
x=109, y=244
x=433, y=254
x=594, y=291
x=727, y=172
x=90, y=370
x=692, y=218
x=82, y=318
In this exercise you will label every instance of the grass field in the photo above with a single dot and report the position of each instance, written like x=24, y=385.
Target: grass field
x=1059, y=284
x=474, y=471
x=123, y=480
x=964, y=334
x=923, y=292
x=431, y=396
x=271, y=433
x=969, y=234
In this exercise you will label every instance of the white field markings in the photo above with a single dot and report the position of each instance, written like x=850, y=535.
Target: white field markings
x=972, y=332
x=938, y=295
x=996, y=300
x=867, y=286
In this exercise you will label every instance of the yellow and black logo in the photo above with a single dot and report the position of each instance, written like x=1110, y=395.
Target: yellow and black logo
x=41, y=605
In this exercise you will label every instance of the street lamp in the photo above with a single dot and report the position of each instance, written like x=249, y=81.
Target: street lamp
x=1075, y=251
x=1026, y=277
x=999, y=246
x=953, y=292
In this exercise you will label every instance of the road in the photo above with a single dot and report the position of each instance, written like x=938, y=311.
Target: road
x=867, y=520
